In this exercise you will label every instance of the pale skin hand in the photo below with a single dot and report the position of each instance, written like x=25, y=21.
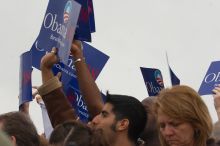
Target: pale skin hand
x=49, y=59
x=47, y=63
x=216, y=96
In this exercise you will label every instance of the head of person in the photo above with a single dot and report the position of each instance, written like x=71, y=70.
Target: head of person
x=150, y=134
x=182, y=117
x=76, y=137
x=19, y=127
x=74, y=133
x=4, y=139
x=62, y=131
x=121, y=114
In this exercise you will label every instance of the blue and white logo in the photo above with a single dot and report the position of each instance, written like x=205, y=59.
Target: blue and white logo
x=158, y=78
x=67, y=10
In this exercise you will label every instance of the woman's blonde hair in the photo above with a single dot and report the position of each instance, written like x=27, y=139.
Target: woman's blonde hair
x=185, y=104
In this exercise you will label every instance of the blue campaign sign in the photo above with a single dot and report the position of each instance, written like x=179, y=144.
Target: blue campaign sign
x=75, y=98
x=211, y=79
x=83, y=27
x=174, y=79
x=37, y=55
x=25, y=85
x=153, y=80
x=59, y=26
x=91, y=16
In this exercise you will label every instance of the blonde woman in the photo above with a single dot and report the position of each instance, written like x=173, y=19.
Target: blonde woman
x=183, y=118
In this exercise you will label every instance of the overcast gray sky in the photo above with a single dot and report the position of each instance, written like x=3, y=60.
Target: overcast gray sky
x=133, y=33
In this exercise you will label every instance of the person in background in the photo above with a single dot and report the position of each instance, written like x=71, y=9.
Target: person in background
x=4, y=139
x=150, y=135
x=182, y=117
x=19, y=127
x=24, y=108
x=72, y=133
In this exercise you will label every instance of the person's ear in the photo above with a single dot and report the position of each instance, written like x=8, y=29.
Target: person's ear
x=122, y=124
x=13, y=140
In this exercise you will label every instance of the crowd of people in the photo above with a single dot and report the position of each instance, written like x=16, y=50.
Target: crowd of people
x=177, y=116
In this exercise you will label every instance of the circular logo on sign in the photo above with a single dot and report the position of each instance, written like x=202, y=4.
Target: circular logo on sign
x=67, y=10
x=158, y=77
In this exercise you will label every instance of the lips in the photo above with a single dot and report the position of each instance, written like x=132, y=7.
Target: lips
x=172, y=142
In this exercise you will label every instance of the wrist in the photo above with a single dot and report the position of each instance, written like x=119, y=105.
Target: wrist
x=79, y=60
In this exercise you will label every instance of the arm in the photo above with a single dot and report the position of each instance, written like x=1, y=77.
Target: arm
x=88, y=87
x=58, y=107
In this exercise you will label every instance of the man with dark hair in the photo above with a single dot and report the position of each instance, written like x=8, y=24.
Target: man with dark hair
x=122, y=117
x=19, y=128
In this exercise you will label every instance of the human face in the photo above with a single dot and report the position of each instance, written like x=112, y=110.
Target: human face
x=174, y=131
x=105, y=121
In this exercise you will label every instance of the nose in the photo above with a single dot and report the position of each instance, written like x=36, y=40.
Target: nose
x=95, y=120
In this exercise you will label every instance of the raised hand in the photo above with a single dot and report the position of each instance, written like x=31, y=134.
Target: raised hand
x=49, y=59
x=76, y=49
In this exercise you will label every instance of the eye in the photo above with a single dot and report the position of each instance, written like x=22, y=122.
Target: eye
x=162, y=125
x=104, y=114
x=175, y=124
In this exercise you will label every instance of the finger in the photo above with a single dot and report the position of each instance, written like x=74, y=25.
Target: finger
x=217, y=88
x=59, y=75
x=54, y=50
x=214, y=91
